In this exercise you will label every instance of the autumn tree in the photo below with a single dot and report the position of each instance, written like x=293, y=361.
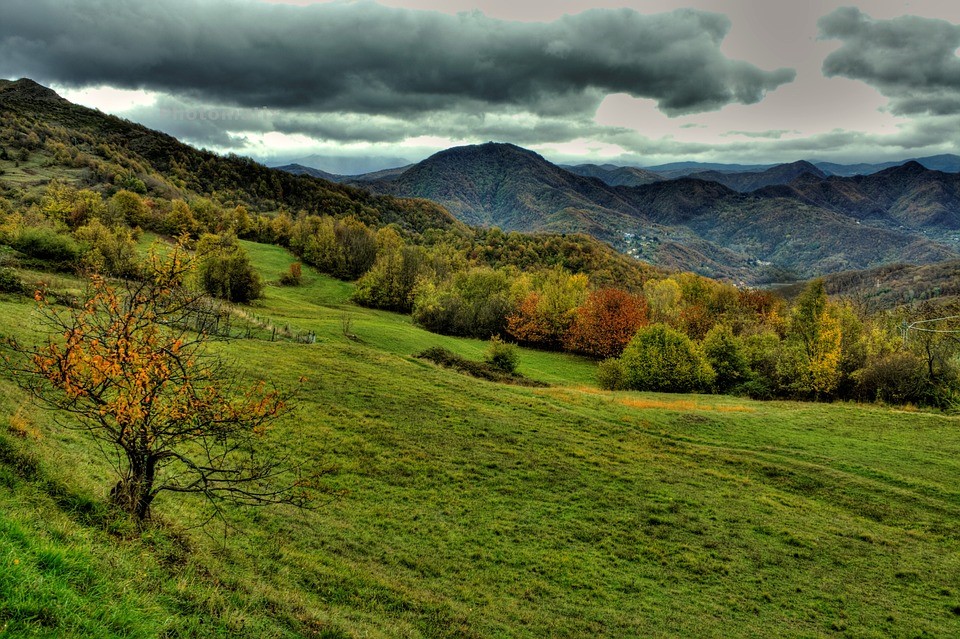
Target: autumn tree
x=812, y=361
x=123, y=368
x=545, y=315
x=605, y=323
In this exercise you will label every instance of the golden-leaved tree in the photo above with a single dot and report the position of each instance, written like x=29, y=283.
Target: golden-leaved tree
x=126, y=367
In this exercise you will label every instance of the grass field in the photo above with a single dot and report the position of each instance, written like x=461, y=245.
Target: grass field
x=472, y=509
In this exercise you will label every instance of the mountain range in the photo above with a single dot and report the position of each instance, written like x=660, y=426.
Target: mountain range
x=347, y=169
x=787, y=221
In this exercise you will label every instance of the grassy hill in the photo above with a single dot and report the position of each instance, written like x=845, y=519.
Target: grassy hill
x=474, y=509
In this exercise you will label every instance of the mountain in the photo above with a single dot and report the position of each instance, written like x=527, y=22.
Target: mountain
x=687, y=223
x=616, y=175
x=908, y=196
x=299, y=169
x=947, y=163
x=345, y=165
x=751, y=181
x=515, y=189
x=683, y=169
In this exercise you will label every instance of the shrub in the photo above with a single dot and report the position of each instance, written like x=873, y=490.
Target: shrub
x=10, y=281
x=225, y=270
x=898, y=378
x=46, y=244
x=659, y=358
x=481, y=370
x=109, y=251
x=757, y=388
x=610, y=375
x=502, y=355
x=293, y=277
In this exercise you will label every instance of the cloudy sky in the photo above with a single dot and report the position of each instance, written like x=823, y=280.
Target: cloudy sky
x=630, y=81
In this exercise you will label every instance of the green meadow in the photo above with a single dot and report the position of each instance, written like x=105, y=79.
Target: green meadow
x=455, y=507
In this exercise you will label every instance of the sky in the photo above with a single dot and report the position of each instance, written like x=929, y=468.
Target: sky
x=362, y=85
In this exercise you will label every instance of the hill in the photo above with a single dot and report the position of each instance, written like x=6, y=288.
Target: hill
x=889, y=287
x=472, y=509
x=95, y=149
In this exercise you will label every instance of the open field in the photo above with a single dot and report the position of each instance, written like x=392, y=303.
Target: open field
x=472, y=509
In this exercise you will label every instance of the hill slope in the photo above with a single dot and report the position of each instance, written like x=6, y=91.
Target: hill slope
x=908, y=196
x=471, y=509
x=104, y=147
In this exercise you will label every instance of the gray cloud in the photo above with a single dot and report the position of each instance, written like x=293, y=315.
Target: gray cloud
x=911, y=60
x=219, y=126
x=774, y=134
x=361, y=57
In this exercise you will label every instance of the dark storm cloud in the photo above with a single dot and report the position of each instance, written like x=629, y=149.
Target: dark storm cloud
x=911, y=60
x=361, y=57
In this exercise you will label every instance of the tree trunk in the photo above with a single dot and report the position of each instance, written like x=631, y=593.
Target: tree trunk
x=133, y=494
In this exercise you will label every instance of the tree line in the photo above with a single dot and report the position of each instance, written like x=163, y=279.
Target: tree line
x=651, y=330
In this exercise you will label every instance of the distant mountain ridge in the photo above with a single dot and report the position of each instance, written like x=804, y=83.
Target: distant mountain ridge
x=700, y=224
x=751, y=181
x=351, y=166
x=616, y=175
x=908, y=195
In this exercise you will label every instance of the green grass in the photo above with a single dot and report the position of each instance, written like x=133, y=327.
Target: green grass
x=474, y=509
x=39, y=169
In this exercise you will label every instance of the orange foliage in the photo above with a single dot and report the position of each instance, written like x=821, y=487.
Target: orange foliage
x=528, y=324
x=606, y=322
x=127, y=366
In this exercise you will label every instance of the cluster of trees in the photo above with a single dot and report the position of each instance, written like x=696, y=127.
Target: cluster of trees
x=671, y=333
x=78, y=229
x=820, y=349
